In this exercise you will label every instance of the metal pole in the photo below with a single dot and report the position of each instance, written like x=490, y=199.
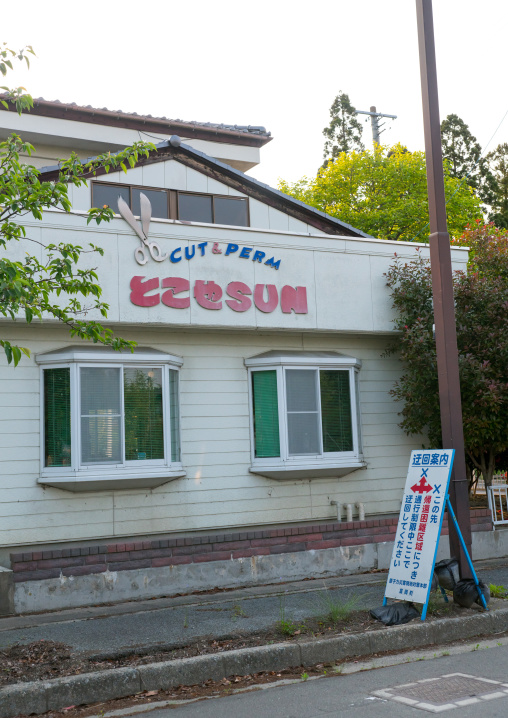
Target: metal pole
x=374, y=120
x=442, y=289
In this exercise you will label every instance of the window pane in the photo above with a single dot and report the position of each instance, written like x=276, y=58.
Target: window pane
x=174, y=407
x=158, y=200
x=57, y=417
x=302, y=408
x=194, y=208
x=336, y=411
x=301, y=390
x=266, y=414
x=230, y=211
x=101, y=438
x=144, y=431
x=108, y=194
x=303, y=434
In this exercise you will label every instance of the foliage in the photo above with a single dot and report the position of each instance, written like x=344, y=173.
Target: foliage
x=498, y=196
x=462, y=153
x=384, y=193
x=344, y=133
x=481, y=300
x=54, y=285
x=498, y=591
x=334, y=609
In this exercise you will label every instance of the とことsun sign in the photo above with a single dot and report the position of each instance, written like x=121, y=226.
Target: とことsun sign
x=209, y=294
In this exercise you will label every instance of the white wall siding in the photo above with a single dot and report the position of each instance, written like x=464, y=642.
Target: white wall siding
x=218, y=491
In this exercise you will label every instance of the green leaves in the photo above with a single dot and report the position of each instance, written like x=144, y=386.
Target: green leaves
x=384, y=193
x=55, y=285
x=481, y=306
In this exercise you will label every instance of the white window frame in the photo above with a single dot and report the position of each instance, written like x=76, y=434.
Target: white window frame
x=325, y=464
x=143, y=473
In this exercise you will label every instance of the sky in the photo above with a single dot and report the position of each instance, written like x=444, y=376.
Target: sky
x=278, y=64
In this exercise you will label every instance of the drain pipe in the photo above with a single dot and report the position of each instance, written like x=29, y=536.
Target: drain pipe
x=349, y=512
x=339, y=512
x=361, y=510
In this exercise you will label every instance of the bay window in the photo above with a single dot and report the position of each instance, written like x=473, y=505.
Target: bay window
x=304, y=414
x=110, y=420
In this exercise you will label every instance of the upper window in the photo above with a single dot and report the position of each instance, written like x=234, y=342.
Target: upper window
x=304, y=414
x=109, y=417
x=172, y=204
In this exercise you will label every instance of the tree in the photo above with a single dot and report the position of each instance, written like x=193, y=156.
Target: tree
x=384, y=194
x=481, y=306
x=55, y=286
x=344, y=133
x=498, y=196
x=463, y=153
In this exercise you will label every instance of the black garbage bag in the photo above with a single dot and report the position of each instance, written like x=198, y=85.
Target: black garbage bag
x=447, y=573
x=395, y=613
x=434, y=584
x=466, y=593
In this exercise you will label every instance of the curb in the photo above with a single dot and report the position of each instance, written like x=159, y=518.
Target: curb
x=41, y=696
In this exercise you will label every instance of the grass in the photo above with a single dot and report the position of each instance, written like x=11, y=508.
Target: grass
x=238, y=612
x=498, y=591
x=285, y=625
x=332, y=609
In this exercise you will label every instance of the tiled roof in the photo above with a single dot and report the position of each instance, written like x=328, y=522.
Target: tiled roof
x=249, y=129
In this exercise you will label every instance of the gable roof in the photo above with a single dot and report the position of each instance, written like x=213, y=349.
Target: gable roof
x=174, y=149
x=250, y=135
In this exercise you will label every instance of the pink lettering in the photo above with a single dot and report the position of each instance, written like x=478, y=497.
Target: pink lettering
x=239, y=302
x=175, y=286
x=295, y=299
x=207, y=294
x=273, y=297
x=139, y=288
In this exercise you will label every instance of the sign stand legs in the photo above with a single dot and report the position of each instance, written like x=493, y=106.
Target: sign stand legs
x=466, y=552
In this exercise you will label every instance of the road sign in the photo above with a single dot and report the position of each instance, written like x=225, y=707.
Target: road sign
x=419, y=527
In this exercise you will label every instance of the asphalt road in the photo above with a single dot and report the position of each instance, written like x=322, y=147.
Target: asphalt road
x=184, y=619
x=342, y=696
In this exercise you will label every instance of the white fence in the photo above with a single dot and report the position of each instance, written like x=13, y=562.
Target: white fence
x=498, y=503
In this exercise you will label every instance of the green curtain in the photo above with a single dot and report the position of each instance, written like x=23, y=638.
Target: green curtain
x=336, y=411
x=144, y=435
x=57, y=417
x=174, y=412
x=266, y=413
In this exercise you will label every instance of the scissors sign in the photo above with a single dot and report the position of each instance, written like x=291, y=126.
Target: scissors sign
x=140, y=253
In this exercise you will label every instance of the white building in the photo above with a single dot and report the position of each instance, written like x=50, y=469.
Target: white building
x=255, y=407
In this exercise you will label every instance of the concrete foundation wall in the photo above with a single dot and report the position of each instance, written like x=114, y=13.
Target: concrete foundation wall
x=111, y=586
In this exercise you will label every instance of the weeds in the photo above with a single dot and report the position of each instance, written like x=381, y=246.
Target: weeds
x=304, y=676
x=333, y=609
x=498, y=591
x=185, y=622
x=238, y=612
x=286, y=626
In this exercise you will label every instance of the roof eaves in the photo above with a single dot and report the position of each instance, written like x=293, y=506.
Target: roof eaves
x=174, y=143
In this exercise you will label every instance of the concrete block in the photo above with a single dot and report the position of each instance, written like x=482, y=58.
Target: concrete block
x=398, y=638
x=185, y=671
x=384, y=554
x=6, y=591
x=261, y=658
x=453, y=629
x=24, y=698
x=329, y=650
x=499, y=620
x=91, y=687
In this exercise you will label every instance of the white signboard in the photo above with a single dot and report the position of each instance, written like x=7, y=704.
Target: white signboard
x=419, y=527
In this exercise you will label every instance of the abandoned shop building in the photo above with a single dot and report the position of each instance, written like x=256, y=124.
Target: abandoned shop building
x=250, y=437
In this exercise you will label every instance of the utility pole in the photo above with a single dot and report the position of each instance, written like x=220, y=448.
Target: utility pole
x=375, y=116
x=442, y=288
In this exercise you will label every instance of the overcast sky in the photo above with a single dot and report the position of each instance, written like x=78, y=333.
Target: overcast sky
x=278, y=64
